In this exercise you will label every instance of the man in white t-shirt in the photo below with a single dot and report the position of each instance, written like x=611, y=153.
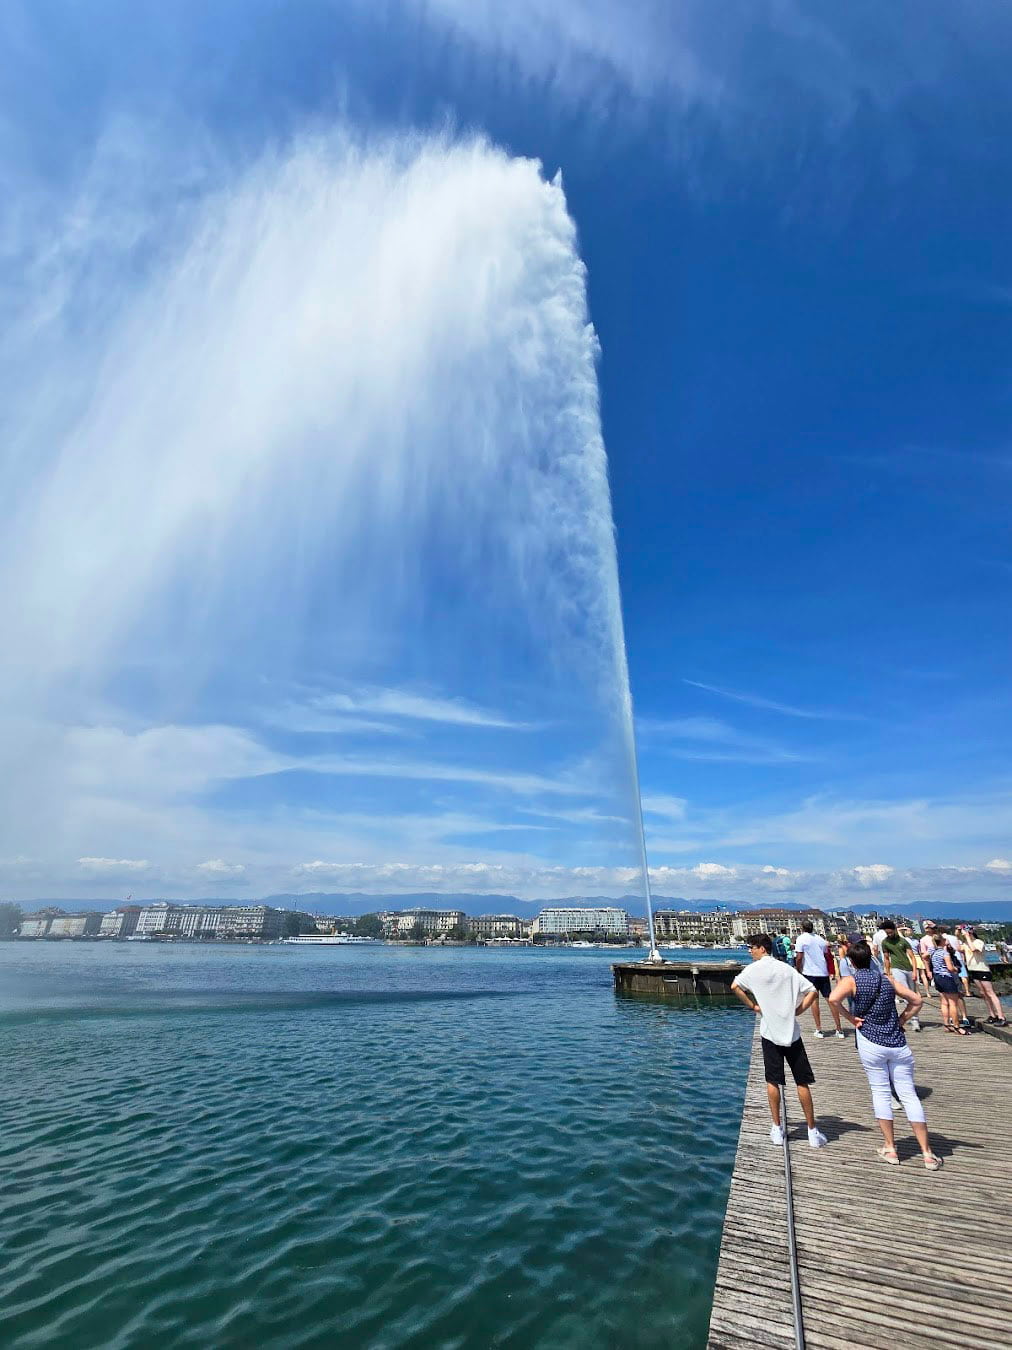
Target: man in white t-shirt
x=811, y=958
x=780, y=993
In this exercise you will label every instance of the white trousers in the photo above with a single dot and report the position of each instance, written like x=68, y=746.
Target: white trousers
x=890, y=1067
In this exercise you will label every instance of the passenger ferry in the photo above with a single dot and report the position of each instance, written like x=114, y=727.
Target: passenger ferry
x=325, y=940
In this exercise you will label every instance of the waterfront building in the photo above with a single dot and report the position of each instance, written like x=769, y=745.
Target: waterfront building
x=195, y=921
x=497, y=926
x=120, y=923
x=75, y=926
x=245, y=923
x=34, y=926
x=773, y=920
x=154, y=919
x=559, y=921
x=432, y=922
x=700, y=930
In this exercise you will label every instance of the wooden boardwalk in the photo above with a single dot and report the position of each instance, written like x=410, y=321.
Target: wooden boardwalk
x=878, y=1246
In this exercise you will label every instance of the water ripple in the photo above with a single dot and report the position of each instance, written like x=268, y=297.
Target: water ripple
x=532, y=1165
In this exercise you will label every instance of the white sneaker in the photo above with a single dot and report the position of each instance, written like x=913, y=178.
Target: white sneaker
x=776, y=1134
x=915, y=1024
x=820, y=1035
x=841, y=1037
x=817, y=1139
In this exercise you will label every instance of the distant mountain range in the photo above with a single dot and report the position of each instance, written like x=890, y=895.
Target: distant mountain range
x=356, y=902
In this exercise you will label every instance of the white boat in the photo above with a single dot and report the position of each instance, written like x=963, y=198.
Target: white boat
x=325, y=940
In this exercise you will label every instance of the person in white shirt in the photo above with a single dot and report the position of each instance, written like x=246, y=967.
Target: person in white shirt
x=925, y=947
x=810, y=958
x=779, y=993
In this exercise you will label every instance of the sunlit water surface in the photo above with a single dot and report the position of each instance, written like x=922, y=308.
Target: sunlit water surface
x=279, y=1147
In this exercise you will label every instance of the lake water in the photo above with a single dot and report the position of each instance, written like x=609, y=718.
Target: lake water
x=356, y=1147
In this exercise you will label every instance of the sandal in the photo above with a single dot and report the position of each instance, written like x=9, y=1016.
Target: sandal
x=961, y=1031
x=889, y=1155
x=1001, y=1021
x=932, y=1162
x=950, y=1027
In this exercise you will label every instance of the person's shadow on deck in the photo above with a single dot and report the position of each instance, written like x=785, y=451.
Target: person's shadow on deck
x=941, y=1144
x=835, y=1127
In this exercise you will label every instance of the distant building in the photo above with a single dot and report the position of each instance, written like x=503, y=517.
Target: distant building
x=75, y=926
x=238, y=923
x=34, y=926
x=155, y=919
x=195, y=921
x=556, y=921
x=432, y=922
x=773, y=920
x=841, y=921
x=120, y=923
x=492, y=926
x=701, y=930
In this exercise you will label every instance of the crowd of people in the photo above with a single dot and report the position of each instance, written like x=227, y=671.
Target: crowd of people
x=881, y=985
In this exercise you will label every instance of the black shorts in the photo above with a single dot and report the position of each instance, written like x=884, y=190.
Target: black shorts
x=984, y=975
x=776, y=1056
x=821, y=983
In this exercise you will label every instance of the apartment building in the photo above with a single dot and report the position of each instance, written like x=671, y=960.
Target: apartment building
x=559, y=921
x=496, y=926
x=432, y=922
x=245, y=923
x=774, y=920
x=120, y=923
x=34, y=926
x=155, y=919
x=701, y=930
x=75, y=926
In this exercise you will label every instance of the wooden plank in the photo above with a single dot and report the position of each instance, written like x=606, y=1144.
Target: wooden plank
x=850, y=1207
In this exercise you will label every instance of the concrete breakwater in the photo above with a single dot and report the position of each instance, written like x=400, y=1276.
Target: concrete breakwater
x=676, y=979
x=713, y=979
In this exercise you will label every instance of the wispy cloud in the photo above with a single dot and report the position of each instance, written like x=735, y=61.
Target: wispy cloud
x=415, y=706
x=742, y=69
x=707, y=739
x=773, y=705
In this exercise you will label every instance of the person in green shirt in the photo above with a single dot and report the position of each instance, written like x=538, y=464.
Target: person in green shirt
x=898, y=961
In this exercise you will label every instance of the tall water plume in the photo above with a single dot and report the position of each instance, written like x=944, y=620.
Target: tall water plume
x=308, y=557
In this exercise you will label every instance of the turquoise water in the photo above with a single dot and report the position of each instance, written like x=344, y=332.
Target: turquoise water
x=349, y=1147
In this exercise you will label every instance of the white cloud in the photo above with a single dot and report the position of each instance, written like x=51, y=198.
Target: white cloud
x=216, y=869
x=114, y=867
x=665, y=807
x=872, y=874
x=999, y=865
x=714, y=872
x=780, y=879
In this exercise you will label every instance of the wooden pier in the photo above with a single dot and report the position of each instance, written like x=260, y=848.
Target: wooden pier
x=886, y=1256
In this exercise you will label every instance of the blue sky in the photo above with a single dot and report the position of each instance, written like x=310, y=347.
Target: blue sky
x=307, y=580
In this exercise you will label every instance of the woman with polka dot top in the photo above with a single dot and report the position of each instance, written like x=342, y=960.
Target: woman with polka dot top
x=882, y=1045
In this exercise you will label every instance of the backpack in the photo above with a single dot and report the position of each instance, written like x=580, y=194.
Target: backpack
x=780, y=949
